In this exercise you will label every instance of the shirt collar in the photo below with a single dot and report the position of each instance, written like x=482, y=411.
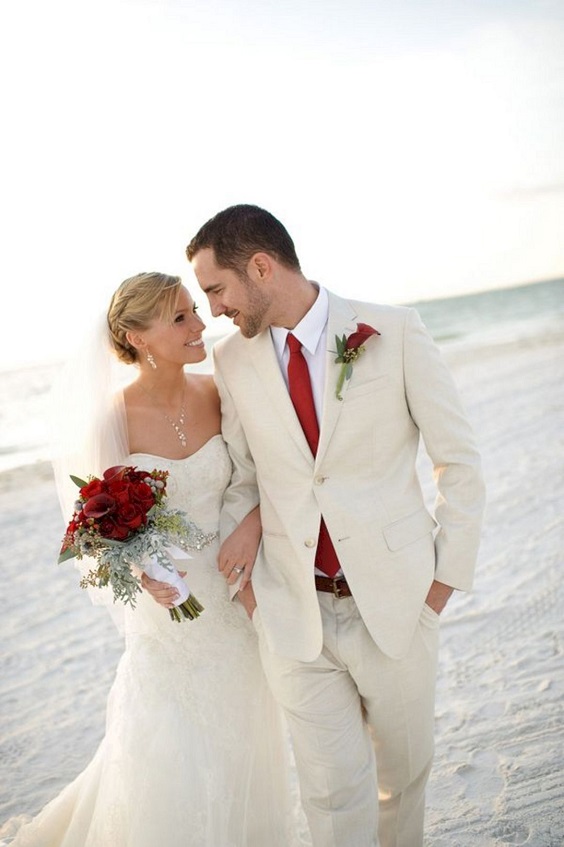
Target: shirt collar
x=309, y=330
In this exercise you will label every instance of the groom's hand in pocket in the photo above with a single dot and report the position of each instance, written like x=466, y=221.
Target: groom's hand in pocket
x=438, y=596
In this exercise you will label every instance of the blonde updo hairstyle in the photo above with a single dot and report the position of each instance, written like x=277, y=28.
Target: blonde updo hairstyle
x=137, y=302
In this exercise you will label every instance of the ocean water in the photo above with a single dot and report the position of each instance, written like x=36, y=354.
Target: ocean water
x=490, y=317
x=499, y=315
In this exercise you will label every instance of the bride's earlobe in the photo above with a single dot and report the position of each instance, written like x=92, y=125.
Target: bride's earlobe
x=135, y=340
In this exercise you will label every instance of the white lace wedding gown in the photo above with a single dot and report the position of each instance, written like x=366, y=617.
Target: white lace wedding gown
x=194, y=753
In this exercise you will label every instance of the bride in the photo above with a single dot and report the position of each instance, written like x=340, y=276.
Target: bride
x=194, y=754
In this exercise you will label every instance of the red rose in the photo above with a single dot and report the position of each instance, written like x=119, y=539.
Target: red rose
x=131, y=516
x=94, y=487
x=143, y=495
x=110, y=528
x=116, y=486
x=136, y=476
x=362, y=334
x=121, y=492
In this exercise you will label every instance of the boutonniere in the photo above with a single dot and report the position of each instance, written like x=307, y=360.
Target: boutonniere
x=348, y=351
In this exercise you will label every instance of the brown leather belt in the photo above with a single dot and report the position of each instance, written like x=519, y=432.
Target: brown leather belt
x=338, y=587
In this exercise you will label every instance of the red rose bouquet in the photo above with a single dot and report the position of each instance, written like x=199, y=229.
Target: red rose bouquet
x=120, y=521
x=348, y=351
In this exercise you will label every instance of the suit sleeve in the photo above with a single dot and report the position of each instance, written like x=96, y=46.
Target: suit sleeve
x=437, y=411
x=241, y=495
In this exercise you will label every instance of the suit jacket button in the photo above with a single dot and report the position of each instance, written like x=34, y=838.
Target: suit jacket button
x=319, y=480
x=310, y=542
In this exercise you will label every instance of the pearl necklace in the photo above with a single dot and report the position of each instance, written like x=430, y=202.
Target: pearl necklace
x=176, y=425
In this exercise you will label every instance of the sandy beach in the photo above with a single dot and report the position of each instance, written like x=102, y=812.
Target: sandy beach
x=499, y=769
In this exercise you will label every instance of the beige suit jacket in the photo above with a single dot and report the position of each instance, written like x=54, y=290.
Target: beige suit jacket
x=363, y=479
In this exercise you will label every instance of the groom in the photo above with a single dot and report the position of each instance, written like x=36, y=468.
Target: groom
x=353, y=571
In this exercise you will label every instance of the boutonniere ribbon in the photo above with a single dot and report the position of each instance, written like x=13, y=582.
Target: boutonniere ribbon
x=348, y=351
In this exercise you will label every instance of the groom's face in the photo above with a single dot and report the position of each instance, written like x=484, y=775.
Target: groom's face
x=235, y=295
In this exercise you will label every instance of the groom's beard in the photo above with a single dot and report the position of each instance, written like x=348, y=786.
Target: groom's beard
x=253, y=320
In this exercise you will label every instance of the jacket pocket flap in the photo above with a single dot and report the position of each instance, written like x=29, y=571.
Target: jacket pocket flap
x=408, y=529
x=358, y=390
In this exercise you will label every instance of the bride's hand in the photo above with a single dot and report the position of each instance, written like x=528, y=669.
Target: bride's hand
x=238, y=552
x=161, y=592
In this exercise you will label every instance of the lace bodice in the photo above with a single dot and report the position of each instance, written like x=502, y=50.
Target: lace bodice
x=196, y=484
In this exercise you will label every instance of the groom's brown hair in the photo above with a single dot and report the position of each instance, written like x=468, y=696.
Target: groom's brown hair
x=237, y=233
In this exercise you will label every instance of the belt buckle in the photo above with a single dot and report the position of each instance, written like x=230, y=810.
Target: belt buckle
x=336, y=589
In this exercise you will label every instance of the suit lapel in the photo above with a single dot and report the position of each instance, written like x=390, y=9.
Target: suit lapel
x=342, y=320
x=263, y=357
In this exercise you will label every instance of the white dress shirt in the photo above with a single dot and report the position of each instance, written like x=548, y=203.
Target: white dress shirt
x=311, y=332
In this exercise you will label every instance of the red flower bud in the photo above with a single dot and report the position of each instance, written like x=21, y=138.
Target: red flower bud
x=363, y=333
x=98, y=506
x=117, y=472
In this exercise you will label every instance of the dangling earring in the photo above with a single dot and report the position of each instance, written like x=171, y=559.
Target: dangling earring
x=151, y=360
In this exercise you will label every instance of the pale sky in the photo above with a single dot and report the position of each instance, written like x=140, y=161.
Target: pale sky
x=413, y=149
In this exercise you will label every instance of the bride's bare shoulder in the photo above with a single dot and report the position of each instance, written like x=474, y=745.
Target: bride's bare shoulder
x=134, y=398
x=130, y=394
x=202, y=384
x=202, y=395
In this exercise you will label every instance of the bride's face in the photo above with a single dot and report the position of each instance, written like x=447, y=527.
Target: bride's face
x=178, y=340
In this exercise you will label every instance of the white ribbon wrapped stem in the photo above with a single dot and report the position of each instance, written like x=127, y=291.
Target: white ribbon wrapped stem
x=156, y=571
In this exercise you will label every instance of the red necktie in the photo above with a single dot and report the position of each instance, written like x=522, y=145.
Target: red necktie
x=301, y=395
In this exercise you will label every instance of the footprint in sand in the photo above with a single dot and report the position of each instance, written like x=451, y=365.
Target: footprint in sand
x=482, y=778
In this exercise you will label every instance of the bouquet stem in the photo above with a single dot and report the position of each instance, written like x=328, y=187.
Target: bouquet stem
x=190, y=608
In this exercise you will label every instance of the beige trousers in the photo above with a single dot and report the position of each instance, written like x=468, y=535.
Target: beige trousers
x=362, y=729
